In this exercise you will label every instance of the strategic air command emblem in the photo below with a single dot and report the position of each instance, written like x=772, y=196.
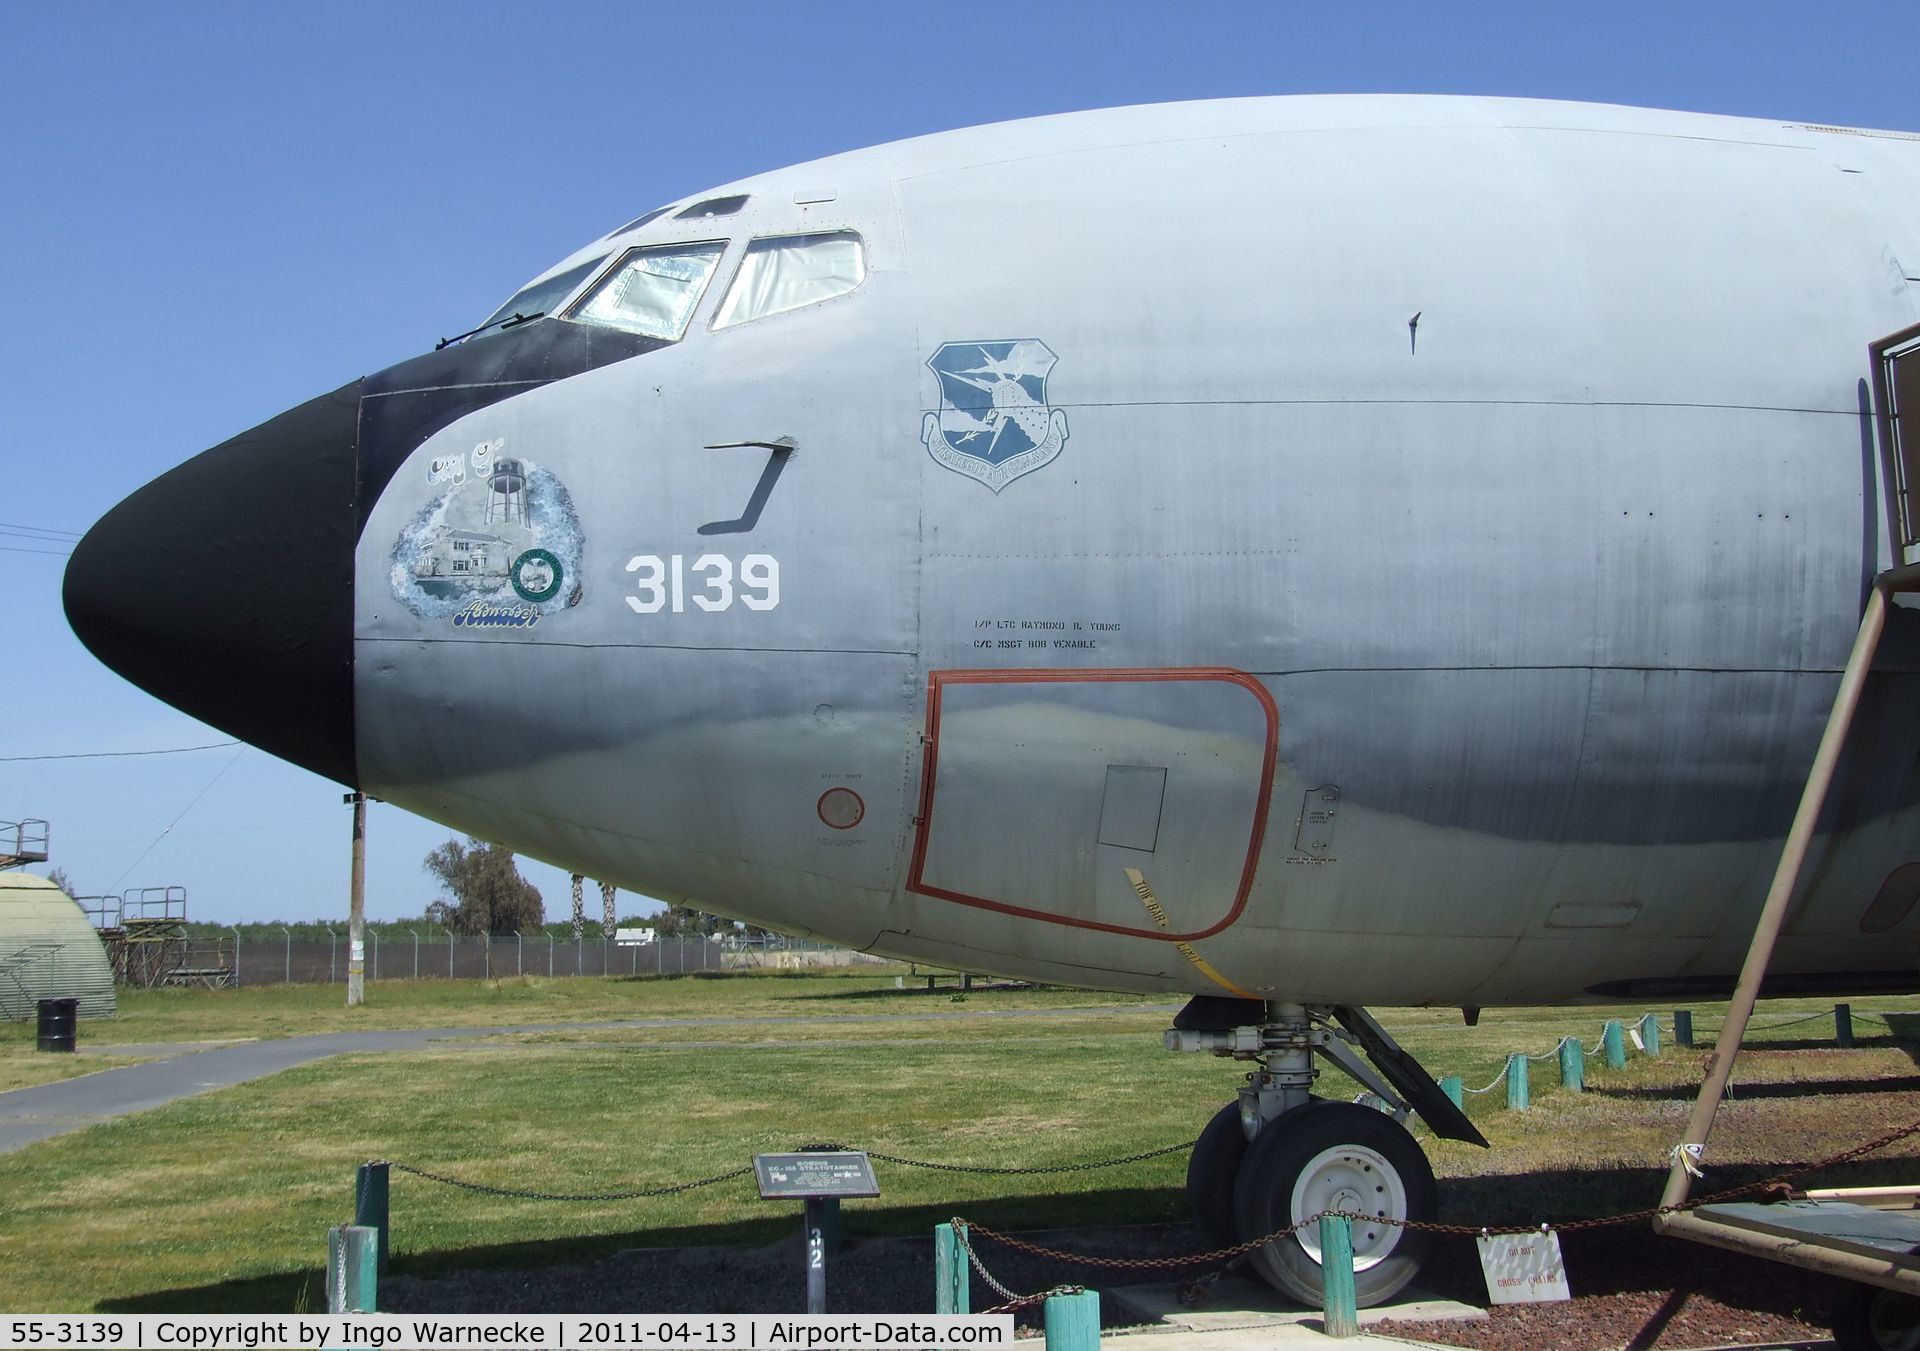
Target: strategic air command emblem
x=994, y=422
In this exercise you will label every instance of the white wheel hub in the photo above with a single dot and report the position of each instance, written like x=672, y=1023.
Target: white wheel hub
x=1359, y=1181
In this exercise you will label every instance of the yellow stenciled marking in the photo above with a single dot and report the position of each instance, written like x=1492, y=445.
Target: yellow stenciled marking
x=1147, y=898
x=1144, y=891
x=1186, y=950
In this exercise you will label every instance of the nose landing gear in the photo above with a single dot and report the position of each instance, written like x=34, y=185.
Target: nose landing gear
x=1278, y=1155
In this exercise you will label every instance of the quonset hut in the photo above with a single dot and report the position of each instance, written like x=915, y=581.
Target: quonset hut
x=48, y=950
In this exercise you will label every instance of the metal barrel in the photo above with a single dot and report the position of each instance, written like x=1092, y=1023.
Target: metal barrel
x=57, y=1020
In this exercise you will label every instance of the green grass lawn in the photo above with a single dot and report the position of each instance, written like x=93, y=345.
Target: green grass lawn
x=222, y=1201
x=172, y=1015
x=191, y=1015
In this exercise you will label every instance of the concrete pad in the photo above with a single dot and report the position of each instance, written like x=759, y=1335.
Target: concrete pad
x=1238, y=1303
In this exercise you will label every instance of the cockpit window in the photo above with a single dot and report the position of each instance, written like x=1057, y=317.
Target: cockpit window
x=543, y=296
x=652, y=292
x=638, y=221
x=713, y=206
x=783, y=274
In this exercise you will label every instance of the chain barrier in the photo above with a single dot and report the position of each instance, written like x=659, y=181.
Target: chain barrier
x=1220, y=1257
x=641, y=1193
x=1495, y=1084
x=1704, y=1033
x=1777, y=1184
x=635, y=1194
x=1666, y=1029
x=1044, y=1168
x=1014, y=1303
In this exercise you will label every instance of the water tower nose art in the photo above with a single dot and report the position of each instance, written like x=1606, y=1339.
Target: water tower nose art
x=496, y=543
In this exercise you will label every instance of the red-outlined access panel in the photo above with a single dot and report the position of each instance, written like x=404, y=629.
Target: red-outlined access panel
x=1216, y=732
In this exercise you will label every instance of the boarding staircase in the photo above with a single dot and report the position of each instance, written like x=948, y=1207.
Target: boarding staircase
x=1867, y=1236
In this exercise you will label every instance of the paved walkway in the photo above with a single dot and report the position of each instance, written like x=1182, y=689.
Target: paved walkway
x=189, y=1068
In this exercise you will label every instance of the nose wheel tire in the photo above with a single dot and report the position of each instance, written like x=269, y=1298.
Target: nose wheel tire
x=1336, y=1156
x=1212, y=1169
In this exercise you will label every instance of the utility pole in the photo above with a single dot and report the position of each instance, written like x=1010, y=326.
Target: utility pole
x=357, y=916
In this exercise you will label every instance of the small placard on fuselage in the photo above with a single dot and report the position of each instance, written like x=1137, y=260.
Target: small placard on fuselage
x=843, y=1172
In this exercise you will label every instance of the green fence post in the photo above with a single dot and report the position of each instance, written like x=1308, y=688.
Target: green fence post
x=1843, y=1025
x=1518, y=1098
x=1073, y=1322
x=1455, y=1089
x=1614, y=1042
x=352, y=1268
x=1339, y=1314
x=370, y=1205
x=1573, y=1064
x=1650, y=1034
x=1683, y=1028
x=951, y=1293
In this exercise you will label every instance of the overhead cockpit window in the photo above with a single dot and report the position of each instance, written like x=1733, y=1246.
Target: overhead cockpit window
x=713, y=206
x=652, y=292
x=783, y=274
x=639, y=221
x=543, y=296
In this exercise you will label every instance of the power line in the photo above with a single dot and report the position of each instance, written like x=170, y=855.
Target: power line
x=39, y=529
x=105, y=755
x=176, y=820
x=50, y=553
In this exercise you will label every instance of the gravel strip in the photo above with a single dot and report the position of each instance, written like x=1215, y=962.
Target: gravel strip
x=1635, y=1289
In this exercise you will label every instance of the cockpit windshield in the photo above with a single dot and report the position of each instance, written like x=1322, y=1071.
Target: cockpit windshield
x=653, y=291
x=541, y=297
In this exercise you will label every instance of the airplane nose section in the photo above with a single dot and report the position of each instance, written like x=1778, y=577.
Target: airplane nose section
x=225, y=586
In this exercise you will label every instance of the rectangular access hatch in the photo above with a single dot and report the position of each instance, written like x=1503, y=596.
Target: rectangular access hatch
x=1130, y=810
x=1041, y=788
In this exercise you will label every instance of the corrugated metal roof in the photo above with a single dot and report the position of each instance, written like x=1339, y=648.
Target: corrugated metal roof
x=48, y=950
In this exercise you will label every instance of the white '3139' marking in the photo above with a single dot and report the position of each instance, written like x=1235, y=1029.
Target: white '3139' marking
x=662, y=583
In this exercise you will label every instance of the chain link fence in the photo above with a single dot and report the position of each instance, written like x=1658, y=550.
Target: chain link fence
x=430, y=956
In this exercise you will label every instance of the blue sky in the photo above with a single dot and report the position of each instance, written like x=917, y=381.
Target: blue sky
x=213, y=212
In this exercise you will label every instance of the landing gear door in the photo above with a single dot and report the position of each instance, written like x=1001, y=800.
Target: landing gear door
x=1127, y=801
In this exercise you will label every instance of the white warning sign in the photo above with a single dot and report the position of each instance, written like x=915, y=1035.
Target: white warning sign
x=1523, y=1268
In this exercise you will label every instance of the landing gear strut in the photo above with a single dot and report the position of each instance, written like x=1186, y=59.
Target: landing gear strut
x=1278, y=1155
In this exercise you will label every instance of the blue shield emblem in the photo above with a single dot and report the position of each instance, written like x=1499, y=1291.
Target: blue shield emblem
x=994, y=422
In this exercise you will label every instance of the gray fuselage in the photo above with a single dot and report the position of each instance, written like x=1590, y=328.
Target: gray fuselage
x=1403, y=551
